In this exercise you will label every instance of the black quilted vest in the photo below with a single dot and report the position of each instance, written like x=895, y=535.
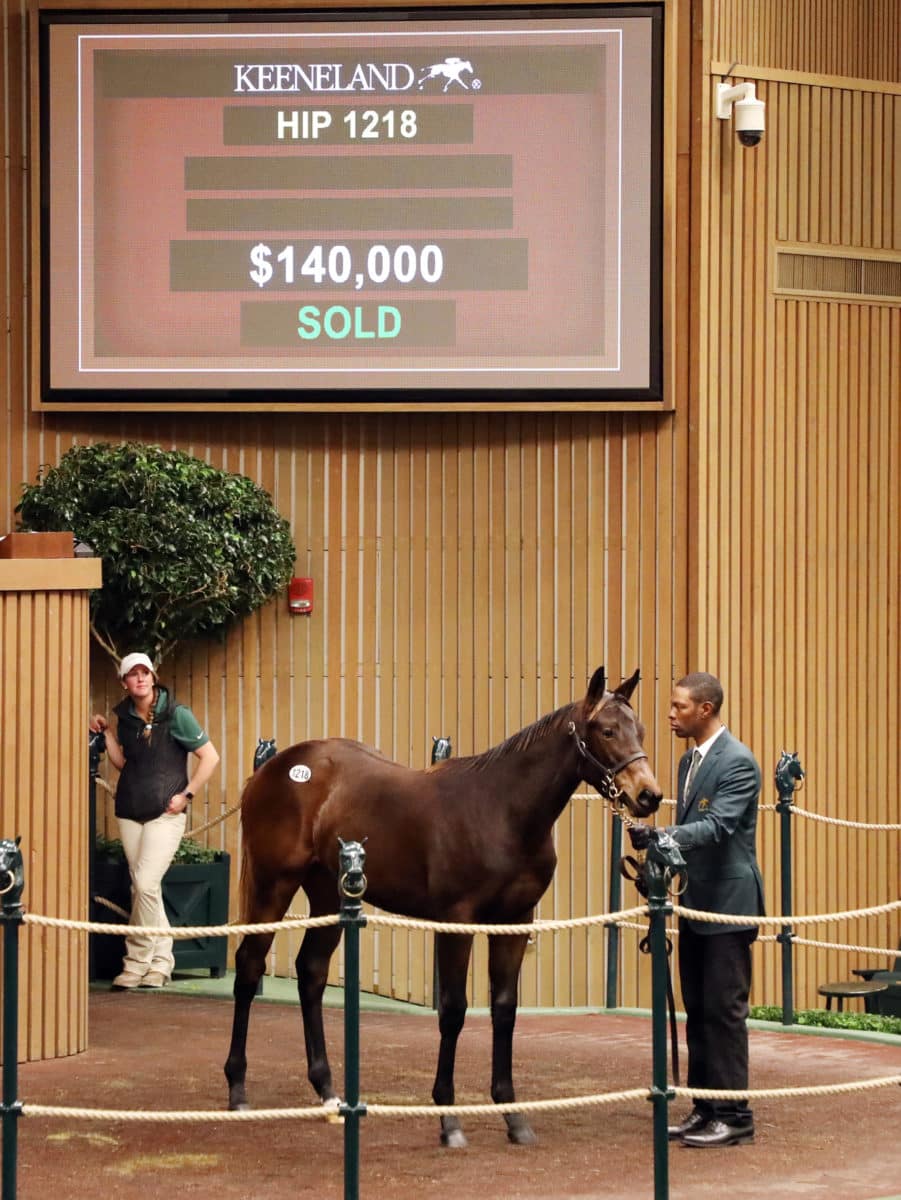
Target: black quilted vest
x=155, y=766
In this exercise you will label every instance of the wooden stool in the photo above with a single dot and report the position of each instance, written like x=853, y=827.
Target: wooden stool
x=849, y=988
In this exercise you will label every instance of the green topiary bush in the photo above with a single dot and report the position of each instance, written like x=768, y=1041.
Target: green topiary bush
x=187, y=549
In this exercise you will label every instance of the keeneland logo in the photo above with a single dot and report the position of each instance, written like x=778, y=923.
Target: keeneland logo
x=451, y=70
x=338, y=77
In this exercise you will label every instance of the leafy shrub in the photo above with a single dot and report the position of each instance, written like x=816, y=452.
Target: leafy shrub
x=188, y=851
x=869, y=1022
x=187, y=549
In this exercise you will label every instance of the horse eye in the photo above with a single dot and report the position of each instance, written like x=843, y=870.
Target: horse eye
x=608, y=733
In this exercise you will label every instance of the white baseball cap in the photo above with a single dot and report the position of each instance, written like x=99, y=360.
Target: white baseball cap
x=130, y=661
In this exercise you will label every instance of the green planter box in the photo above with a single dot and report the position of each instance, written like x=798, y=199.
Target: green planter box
x=194, y=894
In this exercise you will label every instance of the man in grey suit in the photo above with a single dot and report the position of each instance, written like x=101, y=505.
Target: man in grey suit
x=716, y=824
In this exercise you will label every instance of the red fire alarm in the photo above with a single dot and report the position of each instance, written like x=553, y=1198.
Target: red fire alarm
x=300, y=597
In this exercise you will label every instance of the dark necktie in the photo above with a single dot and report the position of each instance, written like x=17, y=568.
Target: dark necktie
x=692, y=768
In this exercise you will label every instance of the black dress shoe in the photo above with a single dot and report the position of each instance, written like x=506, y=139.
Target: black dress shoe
x=693, y=1123
x=719, y=1133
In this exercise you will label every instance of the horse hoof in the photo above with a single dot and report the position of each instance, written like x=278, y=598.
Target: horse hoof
x=454, y=1139
x=241, y=1106
x=332, y=1108
x=519, y=1131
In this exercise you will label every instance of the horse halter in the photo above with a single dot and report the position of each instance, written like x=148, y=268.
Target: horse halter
x=608, y=786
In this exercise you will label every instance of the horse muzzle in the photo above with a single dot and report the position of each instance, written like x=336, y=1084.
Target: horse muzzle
x=647, y=802
x=640, y=789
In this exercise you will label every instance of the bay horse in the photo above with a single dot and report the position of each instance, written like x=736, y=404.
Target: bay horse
x=468, y=840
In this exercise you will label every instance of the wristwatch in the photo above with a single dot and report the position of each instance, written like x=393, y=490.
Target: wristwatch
x=189, y=795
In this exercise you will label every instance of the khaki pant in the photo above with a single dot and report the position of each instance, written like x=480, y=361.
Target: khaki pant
x=149, y=849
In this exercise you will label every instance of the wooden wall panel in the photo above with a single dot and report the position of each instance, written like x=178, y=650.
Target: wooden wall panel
x=830, y=37
x=44, y=793
x=471, y=570
x=796, y=413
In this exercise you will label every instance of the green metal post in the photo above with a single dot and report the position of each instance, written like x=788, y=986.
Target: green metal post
x=659, y=908
x=616, y=852
x=788, y=779
x=352, y=885
x=11, y=916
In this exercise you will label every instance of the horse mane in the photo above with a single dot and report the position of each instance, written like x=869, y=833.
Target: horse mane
x=516, y=743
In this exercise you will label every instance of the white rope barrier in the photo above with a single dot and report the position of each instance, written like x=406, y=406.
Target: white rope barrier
x=801, y=812
x=812, y=816
x=184, y=932
x=193, y=833
x=693, y=914
x=793, y=808
x=331, y=1112
x=798, y=941
x=822, y=1089
x=535, y=927
x=795, y=940
x=514, y=1106
x=396, y=922
x=315, y=1113
x=544, y=926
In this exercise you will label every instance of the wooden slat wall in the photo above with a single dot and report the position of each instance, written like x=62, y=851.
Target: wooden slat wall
x=471, y=570
x=798, y=450
x=830, y=37
x=43, y=798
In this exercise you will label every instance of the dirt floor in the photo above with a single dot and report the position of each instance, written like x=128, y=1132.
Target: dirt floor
x=151, y=1050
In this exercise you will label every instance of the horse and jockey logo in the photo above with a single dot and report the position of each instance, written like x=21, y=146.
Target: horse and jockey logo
x=451, y=70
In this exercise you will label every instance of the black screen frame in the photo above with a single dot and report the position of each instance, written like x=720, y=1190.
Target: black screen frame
x=259, y=398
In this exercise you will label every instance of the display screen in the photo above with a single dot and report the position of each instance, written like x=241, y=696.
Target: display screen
x=425, y=207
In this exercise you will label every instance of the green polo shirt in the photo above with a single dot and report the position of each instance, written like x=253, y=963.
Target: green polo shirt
x=184, y=726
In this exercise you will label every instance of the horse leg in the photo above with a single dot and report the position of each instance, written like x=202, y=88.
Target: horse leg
x=312, y=965
x=505, y=954
x=250, y=962
x=452, y=951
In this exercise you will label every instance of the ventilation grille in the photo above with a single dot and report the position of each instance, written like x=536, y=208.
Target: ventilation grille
x=813, y=274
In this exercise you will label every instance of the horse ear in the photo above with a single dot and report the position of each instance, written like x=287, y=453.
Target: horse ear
x=598, y=686
x=628, y=686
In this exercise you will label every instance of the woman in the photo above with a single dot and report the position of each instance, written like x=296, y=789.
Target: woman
x=150, y=748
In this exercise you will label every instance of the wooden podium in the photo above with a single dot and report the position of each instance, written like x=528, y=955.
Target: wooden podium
x=44, y=701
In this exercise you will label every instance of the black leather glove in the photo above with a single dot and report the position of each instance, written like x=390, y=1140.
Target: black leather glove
x=640, y=836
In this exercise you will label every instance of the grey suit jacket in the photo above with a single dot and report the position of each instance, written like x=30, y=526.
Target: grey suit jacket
x=716, y=830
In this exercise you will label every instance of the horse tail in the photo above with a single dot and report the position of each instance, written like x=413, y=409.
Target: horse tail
x=246, y=886
x=246, y=879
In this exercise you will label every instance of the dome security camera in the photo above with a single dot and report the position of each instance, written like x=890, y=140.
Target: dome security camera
x=749, y=122
x=749, y=111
